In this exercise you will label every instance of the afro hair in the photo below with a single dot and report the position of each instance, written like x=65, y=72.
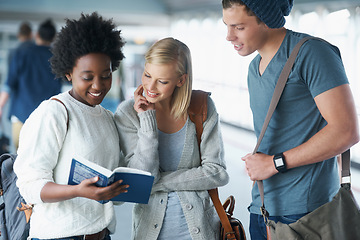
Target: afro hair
x=89, y=34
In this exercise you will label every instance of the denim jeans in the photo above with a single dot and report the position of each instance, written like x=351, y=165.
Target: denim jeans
x=69, y=238
x=258, y=228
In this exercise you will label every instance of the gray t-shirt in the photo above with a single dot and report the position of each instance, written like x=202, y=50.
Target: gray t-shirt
x=170, y=151
x=318, y=68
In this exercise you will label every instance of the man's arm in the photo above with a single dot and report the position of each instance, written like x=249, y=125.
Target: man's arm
x=341, y=132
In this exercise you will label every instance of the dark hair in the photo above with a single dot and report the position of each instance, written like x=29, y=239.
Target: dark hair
x=89, y=34
x=25, y=29
x=229, y=3
x=47, y=31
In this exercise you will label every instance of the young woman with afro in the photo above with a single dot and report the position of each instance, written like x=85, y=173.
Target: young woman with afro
x=85, y=52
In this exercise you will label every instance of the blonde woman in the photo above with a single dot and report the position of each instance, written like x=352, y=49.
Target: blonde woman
x=157, y=136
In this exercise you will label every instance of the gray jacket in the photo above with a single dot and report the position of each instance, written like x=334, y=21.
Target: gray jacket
x=138, y=140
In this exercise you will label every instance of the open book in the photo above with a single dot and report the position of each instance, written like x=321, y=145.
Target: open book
x=140, y=182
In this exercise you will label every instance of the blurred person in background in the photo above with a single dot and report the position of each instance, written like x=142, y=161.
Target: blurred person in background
x=25, y=38
x=30, y=80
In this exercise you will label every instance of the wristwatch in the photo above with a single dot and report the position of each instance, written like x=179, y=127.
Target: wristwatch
x=279, y=161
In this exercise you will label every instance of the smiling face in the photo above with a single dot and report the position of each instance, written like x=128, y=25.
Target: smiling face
x=244, y=31
x=91, y=78
x=160, y=80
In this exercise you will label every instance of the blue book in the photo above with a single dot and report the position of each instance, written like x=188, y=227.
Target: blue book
x=140, y=182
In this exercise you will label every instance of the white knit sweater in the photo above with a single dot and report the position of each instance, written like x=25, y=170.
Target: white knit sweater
x=44, y=155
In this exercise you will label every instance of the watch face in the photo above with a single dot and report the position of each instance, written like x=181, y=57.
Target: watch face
x=279, y=162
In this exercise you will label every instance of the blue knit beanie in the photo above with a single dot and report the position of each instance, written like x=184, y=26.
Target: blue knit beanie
x=271, y=12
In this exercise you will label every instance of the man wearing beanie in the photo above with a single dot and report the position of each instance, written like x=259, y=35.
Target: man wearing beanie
x=314, y=121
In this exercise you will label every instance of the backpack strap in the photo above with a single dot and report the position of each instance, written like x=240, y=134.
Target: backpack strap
x=67, y=113
x=198, y=113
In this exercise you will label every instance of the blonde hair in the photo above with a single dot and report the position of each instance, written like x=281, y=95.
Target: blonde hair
x=170, y=50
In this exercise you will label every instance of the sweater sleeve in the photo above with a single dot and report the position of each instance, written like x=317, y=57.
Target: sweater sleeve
x=211, y=172
x=138, y=138
x=41, y=139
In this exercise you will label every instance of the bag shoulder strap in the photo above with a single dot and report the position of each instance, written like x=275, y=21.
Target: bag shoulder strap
x=280, y=87
x=345, y=170
x=284, y=75
x=197, y=113
x=67, y=112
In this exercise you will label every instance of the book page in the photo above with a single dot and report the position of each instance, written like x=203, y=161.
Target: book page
x=131, y=170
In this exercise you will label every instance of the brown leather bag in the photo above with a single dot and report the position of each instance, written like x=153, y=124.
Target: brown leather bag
x=230, y=227
x=235, y=223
